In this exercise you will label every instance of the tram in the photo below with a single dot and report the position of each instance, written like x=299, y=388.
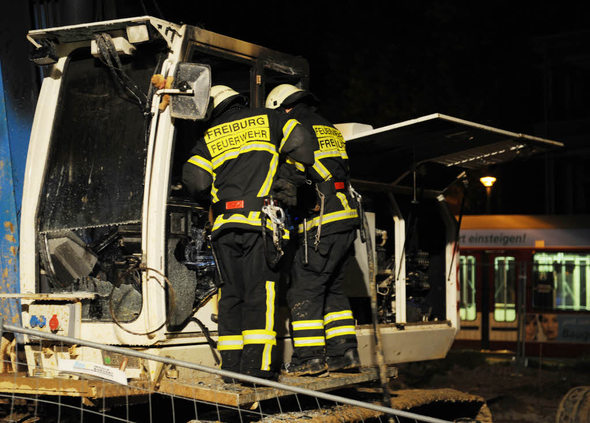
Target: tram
x=525, y=282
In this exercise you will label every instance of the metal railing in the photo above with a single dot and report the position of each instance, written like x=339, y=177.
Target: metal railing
x=394, y=414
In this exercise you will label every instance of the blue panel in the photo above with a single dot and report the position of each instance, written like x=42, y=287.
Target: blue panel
x=19, y=131
x=10, y=193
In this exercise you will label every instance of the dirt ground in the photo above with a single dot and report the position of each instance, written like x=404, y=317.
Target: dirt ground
x=513, y=393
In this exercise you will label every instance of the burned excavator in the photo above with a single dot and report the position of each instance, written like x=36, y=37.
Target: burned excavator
x=114, y=250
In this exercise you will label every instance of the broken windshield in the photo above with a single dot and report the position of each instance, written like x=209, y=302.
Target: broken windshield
x=95, y=173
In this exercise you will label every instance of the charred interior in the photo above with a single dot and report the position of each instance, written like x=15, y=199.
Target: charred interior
x=423, y=254
x=89, y=225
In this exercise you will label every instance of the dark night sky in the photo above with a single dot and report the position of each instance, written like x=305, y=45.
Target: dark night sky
x=385, y=62
x=469, y=59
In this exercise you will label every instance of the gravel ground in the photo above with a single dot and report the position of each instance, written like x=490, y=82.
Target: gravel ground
x=513, y=394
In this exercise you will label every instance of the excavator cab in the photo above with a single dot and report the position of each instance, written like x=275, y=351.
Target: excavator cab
x=113, y=247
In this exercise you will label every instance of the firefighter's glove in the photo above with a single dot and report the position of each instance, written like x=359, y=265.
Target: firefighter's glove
x=285, y=192
x=290, y=173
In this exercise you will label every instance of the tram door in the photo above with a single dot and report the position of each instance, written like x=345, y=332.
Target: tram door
x=470, y=298
x=502, y=304
x=488, y=303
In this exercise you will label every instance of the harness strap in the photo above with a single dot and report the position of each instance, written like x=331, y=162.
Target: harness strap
x=318, y=233
x=326, y=189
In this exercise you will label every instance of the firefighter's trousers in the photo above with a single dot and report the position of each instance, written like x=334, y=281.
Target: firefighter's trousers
x=247, y=305
x=321, y=318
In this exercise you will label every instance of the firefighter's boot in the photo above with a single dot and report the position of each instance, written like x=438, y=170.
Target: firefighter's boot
x=313, y=367
x=350, y=360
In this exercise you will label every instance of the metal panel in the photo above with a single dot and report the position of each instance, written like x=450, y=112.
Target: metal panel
x=86, y=31
x=413, y=342
x=9, y=194
x=208, y=40
x=447, y=144
x=292, y=65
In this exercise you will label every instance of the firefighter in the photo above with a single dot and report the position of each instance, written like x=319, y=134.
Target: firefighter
x=236, y=161
x=323, y=328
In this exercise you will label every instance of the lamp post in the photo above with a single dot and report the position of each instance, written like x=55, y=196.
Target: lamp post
x=488, y=182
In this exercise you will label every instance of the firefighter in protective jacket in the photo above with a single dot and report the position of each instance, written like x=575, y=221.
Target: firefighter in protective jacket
x=323, y=327
x=237, y=161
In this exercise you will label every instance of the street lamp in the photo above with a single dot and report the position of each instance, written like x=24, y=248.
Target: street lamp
x=488, y=182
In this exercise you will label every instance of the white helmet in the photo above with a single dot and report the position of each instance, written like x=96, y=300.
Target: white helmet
x=285, y=95
x=220, y=93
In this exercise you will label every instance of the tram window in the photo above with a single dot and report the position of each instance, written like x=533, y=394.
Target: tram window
x=561, y=281
x=504, y=289
x=467, y=307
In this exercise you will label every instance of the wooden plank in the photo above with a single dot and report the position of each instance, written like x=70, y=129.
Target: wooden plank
x=22, y=384
x=437, y=401
x=210, y=388
x=191, y=384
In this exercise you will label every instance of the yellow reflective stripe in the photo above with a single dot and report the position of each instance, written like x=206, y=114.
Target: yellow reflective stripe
x=222, y=158
x=270, y=306
x=272, y=170
x=253, y=219
x=287, y=129
x=232, y=154
x=259, y=336
x=329, y=218
x=260, y=339
x=214, y=190
x=230, y=342
x=343, y=200
x=340, y=331
x=319, y=155
x=309, y=341
x=202, y=163
x=266, y=356
x=300, y=167
x=337, y=315
x=230, y=347
x=262, y=332
x=321, y=169
x=307, y=324
x=270, y=322
x=234, y=218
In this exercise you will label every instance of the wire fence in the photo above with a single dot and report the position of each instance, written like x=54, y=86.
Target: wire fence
x=180, y=391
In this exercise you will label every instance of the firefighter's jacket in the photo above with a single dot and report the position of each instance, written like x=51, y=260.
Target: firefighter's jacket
x=238, y=158
x=330, y=173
